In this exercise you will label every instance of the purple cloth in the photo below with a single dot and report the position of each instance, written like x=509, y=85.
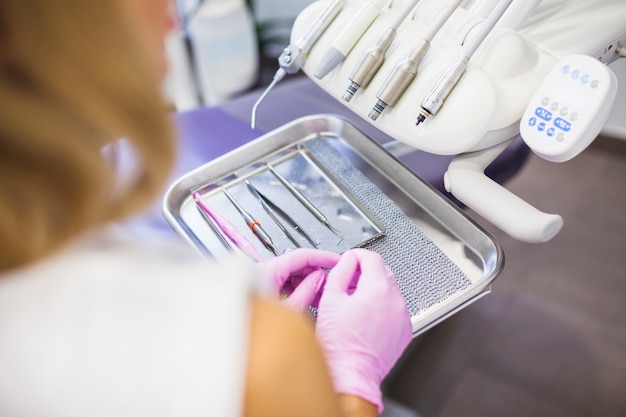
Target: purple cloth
x=206, y=133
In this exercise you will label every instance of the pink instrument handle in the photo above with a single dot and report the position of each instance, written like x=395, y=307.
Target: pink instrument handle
x=227, y=228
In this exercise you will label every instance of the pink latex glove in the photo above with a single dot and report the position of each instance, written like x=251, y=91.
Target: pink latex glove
x=298, y=274
x=363, y=324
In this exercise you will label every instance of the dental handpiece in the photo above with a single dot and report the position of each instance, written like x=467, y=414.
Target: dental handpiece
x=253, y=224
x=349, y=36
x=305, y=202
x=293, y=56
x=374, y=56
x=405, y=71
x=435, y=98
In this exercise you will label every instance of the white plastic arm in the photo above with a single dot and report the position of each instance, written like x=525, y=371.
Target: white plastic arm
x=466, y=180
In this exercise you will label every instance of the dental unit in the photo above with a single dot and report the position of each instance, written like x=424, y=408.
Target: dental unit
x=486, y=62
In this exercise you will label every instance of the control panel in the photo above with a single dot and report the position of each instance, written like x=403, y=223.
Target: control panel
x=569, y=108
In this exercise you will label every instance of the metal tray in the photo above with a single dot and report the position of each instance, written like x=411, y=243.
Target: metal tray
x=442, y=259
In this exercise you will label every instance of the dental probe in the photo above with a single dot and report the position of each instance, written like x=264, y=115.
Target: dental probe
x=349, y=36
x=405, y=71
x=435, y=98
x=273, y=207
x=374, y=56
x=293, y=56
x=254, y=225
x=306, y=203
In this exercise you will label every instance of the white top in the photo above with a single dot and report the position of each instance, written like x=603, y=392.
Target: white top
x=112, y=328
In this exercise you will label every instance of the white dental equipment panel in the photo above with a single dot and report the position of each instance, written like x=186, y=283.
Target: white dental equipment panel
x=479, y=107
x=569, y=108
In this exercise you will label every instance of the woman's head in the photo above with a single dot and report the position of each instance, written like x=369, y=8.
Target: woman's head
x=74, y=76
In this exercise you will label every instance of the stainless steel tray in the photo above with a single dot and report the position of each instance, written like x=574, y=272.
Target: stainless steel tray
x=447, y=262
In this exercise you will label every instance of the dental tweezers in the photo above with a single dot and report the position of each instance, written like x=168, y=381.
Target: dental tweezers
x=272, y=210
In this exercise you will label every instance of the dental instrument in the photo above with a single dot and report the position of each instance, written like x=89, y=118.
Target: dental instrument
x=225, y=229
x=215, y=226
x=405, y=71
x=435, y=98
x=253, y=224
x=270, y=211
x=374, y=56
x=349, y=36
x=305, y=202
x=293, y=56
x=273, y=207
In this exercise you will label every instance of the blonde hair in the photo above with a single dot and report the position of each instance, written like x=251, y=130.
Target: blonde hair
x=72, y=80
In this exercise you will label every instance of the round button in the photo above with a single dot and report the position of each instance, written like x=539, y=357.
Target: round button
x=565, y=69
x=532, y=121
x=573, y=117
x=594, y=84
x=550, y=132
x=584, y=79
x=575, y=74
x=545, y=101
x=560, y=137
x=564, y=111
x=554, y=106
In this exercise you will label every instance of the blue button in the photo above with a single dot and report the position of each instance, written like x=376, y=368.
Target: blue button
x=550, y=132
x=541, y=126
x=565, y=69
x=543, y=114
x=584, y=79
x=532, y=121
x=562, y=124
x=575, y=74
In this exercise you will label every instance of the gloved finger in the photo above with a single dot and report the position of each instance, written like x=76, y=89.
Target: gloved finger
x=304, y=294
x=342, y=276
x=378, y=274
x=293, y=281
x=299, y=260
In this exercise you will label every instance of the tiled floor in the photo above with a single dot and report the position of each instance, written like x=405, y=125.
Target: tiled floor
x=550, y=341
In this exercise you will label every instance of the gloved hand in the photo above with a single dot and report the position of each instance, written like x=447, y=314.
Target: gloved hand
x=298, y=274
x=363, y=324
